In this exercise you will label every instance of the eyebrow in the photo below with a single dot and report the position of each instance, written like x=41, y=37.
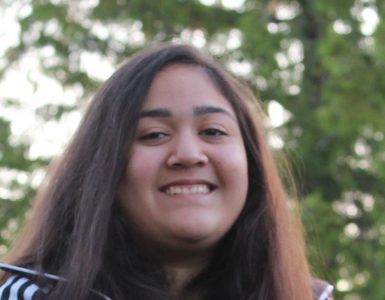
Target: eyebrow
x=207, y=109
x=197, y=111
x=156, y=113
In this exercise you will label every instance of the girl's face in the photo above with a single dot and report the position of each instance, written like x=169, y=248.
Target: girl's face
x=186, y=180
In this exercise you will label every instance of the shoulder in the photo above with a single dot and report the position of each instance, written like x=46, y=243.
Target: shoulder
x=322, y=290
x=21, y=284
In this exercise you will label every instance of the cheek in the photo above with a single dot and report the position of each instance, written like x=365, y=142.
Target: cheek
x=134, y=188
x=232, y=170
x=139, y=176
x=232, y=163
x=143, y=165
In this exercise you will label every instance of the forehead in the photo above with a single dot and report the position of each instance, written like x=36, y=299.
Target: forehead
x=181, y=86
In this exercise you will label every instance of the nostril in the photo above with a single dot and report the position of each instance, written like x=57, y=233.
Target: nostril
x=187, y=160
x=201, y=163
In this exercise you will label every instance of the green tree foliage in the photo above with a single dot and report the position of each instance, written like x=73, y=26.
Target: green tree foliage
x=322, y=61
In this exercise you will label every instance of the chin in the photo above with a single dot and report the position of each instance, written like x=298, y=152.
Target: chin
x=202, y=232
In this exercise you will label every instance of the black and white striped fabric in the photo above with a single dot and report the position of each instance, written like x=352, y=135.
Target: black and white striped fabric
x=20, y=288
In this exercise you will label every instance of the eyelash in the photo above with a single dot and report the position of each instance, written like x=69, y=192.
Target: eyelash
x=158, y=135
x=213, y=132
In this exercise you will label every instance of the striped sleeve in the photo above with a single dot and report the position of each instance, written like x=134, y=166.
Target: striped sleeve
x=20, y=288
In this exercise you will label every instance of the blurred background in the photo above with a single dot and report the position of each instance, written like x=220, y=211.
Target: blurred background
x=317, y=66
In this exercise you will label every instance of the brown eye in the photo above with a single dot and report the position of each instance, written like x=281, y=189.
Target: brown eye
x=214, y=132
x=153, y=136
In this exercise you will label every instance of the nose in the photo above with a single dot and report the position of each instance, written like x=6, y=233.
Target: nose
x=187, y=151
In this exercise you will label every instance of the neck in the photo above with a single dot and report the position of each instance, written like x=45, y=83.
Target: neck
x=180, y=264
x=180, y=273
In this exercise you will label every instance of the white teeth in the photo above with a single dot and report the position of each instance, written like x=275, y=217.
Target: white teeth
x=185, y=190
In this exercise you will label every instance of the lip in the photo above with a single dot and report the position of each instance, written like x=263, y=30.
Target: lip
x=186, y=182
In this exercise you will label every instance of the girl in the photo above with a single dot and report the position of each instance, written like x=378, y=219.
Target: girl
x=167, y=191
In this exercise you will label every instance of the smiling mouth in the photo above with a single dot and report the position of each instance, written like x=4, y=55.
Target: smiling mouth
x=188, y=189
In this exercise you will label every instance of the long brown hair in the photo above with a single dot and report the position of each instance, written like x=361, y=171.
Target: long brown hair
x=78, y=232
